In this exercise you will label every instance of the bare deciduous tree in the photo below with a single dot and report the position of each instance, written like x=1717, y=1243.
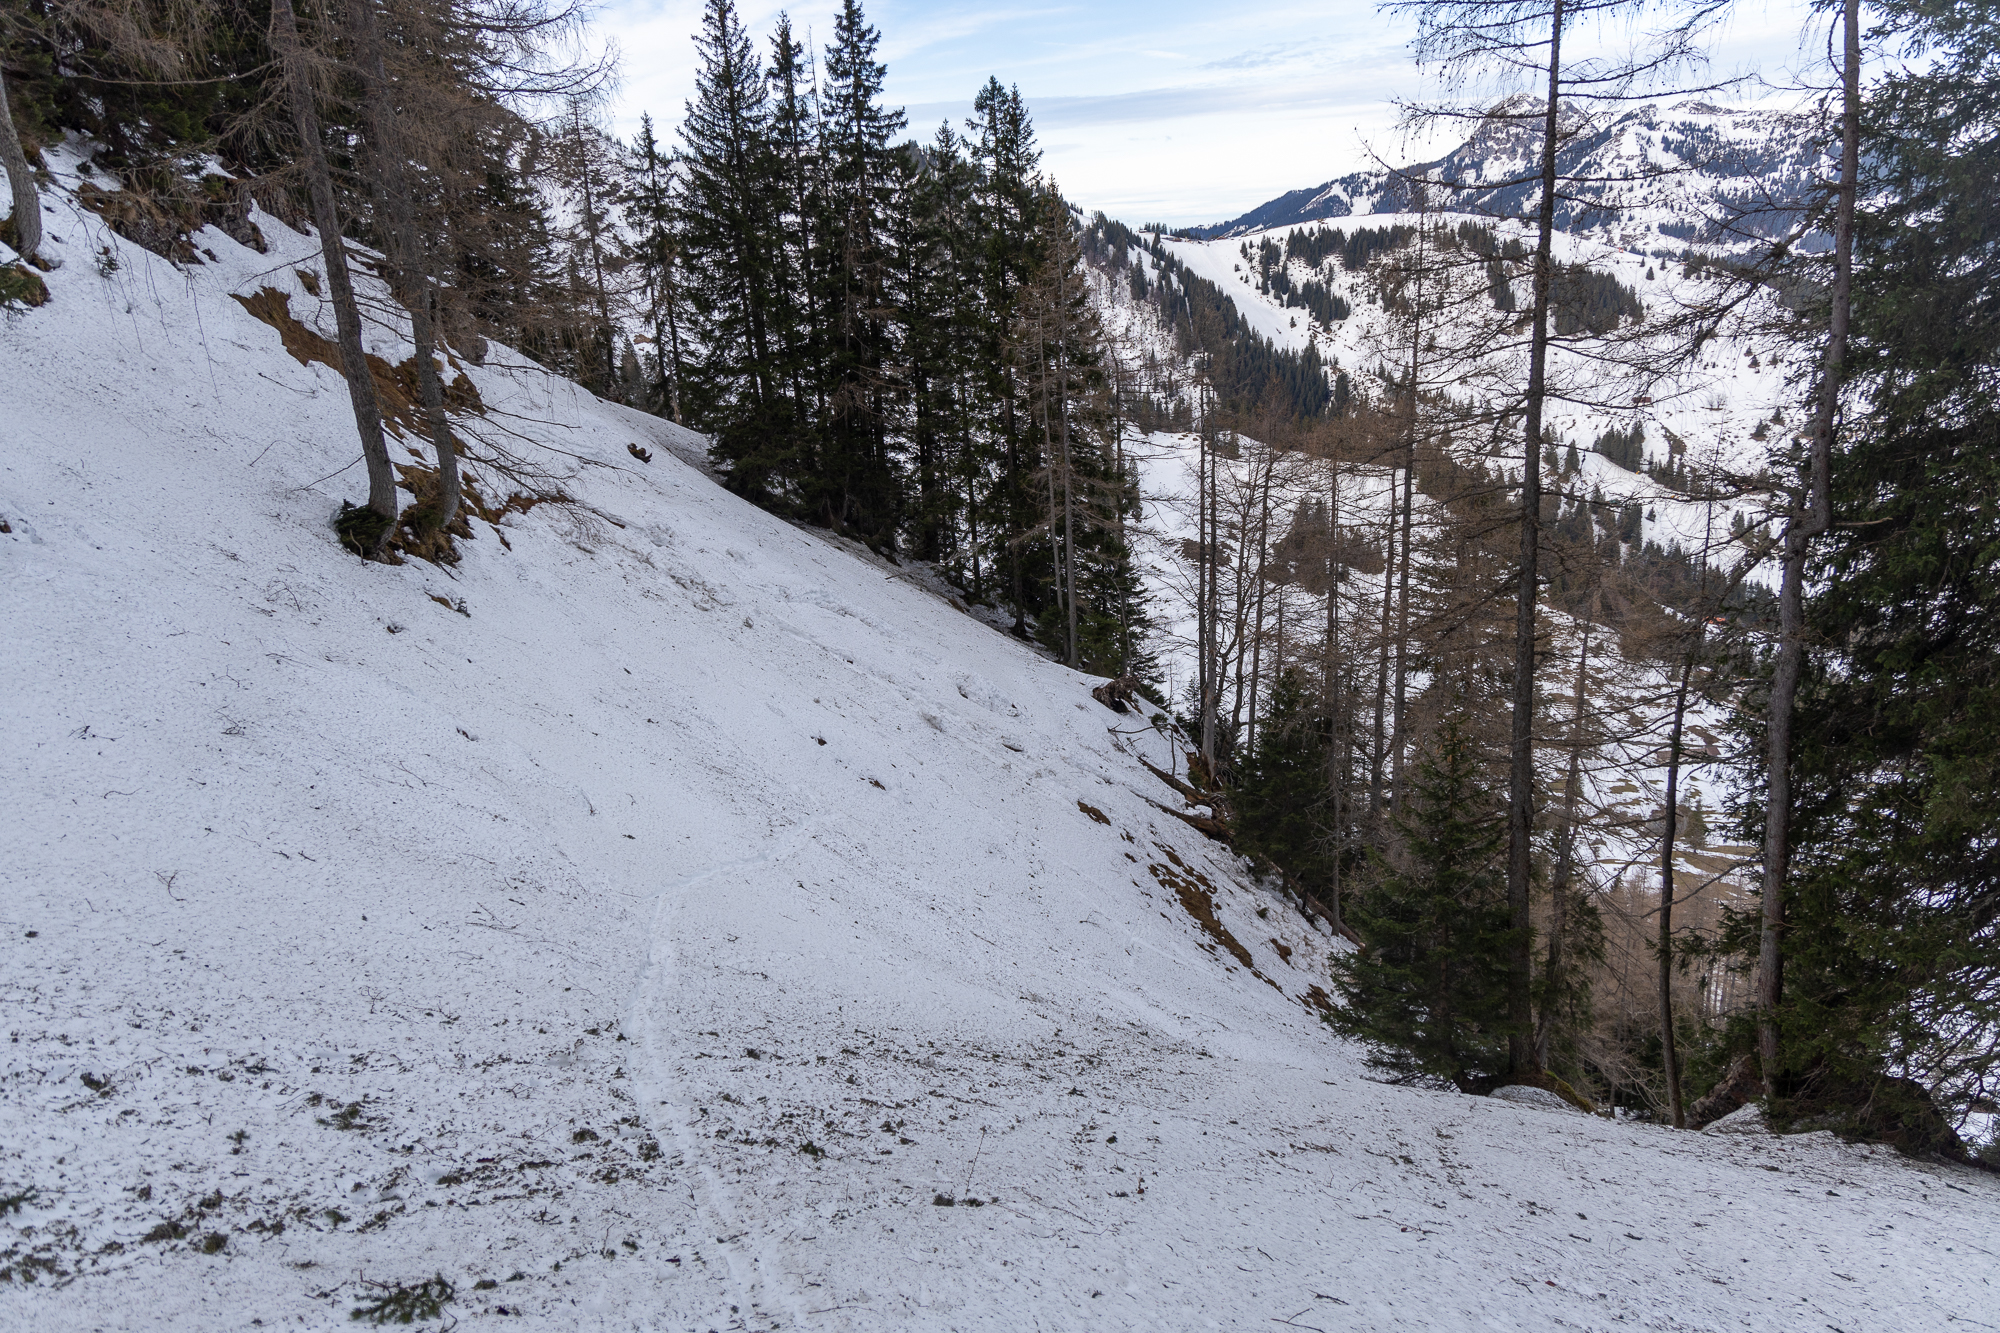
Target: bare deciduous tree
x=1505, y=43
x=299, y=71
x=27, y=213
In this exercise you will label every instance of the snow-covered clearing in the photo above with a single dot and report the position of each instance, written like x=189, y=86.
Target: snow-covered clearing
x=654, y=944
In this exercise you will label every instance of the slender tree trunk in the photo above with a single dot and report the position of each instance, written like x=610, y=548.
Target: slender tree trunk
x=1338, y=755
x=1125, y=607
x=1278, y=648
x=1521, y=773
x=27, y=203
x=340, y=286
x=388, y=171
x=1046, y=393
x=1205, y=597
x=1240, y=613
x=1809, y=519
x=1257, y=632
x=1396, y=731
x=1669, y=1049
x=1069, y=505
x=593, y=227
x=1410, y=420
x=1379, y=750
x=674, y=332
x=1565, y=859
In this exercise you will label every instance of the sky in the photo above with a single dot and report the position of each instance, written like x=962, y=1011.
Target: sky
x=1152, y=110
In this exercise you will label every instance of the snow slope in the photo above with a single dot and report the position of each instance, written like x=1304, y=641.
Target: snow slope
x=650, y=921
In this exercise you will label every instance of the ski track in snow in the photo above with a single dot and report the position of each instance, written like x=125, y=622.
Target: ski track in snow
x=659, y=940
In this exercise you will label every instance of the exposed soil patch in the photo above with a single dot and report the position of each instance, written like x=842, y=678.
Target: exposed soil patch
x=416, y=536
x=395, y=386
x=1197, y=895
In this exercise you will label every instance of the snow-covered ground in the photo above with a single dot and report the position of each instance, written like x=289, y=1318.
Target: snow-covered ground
x=653, y=921
x=1713, y=403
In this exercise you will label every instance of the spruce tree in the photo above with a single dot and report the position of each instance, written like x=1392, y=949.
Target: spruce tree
x=856, y=488
x=1428, y=992
x=798, y=341
x=654, y=255
x=936, y=294
x=1891, y=948
x=729, y=244
x=1281, y=793
x=1001, y=139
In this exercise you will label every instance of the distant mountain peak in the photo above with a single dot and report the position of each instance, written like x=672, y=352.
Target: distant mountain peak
x=1671, y=171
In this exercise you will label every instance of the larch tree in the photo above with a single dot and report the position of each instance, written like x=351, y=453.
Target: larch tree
x=27, y=214
x=302, y=76
x=1509, y=44
x=388, y=164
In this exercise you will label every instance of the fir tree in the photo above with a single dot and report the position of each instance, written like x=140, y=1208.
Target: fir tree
x=1002, y=144
x=798, y=338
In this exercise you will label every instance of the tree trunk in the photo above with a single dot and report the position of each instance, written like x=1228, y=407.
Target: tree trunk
x=1401, y=700
x=674, y=332
x=1565, y=857
x=1205, y=595
x=27, y=203
x=1521, y=773
x=340, y=285
x=1669, y=1048
x=1337, y=755
x=1069, y=526
x=1808, y=520
x=409, y=267
x=592, y=230
x=1379, y=750
x=1257, y=631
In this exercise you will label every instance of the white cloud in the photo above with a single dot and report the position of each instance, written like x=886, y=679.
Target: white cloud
x=1170, y=111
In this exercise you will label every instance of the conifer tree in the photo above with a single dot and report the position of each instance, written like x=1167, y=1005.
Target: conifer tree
x=300, y=83
x=1888, y=1015
x=1428, y=992
x=655, y=257
x=1280, y=796
x=729, y=243
x=1525, y=41
x=389, y=161
x=27, y=214
x=936, y=294
x=856, y=484
x=1001, y=140
x=798, y=340
x=585, y=165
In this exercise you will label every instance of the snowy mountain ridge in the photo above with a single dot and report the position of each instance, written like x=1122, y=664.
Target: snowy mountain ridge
x=1652, y=175
x=667, y=918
